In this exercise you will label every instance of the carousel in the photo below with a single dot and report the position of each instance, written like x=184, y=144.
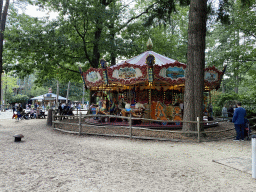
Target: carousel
x=148, y=86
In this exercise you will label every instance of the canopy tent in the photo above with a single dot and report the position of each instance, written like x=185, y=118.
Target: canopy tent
x=42, y=97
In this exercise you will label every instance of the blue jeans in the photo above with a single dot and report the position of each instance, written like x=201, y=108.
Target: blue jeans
x=239, y=131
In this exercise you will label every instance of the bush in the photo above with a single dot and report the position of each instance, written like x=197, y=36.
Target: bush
x=217, y=110
x=18, y=99
x=231, y=99
x=223, y=100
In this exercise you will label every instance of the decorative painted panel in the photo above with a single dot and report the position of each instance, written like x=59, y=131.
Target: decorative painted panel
x=127, y=73
x=93, y=77
x=173, y=73
x=211, y=76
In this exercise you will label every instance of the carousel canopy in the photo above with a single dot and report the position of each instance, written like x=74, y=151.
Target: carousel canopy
x=148, y=68
x=41, y=97
x=141, y=59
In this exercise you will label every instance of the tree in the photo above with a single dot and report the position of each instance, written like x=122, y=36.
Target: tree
x=194, y=85
x=8, y=84
x=170, y=40
x=232, y=44
x=3, y=16
x=19, y=99
x=84, y=32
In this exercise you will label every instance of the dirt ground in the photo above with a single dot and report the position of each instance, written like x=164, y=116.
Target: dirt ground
x=48, y=160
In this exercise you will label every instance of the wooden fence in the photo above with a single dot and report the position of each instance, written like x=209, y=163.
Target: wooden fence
x=80, y=125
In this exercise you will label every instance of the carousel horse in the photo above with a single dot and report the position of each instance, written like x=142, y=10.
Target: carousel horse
x=103, y=109
x=127, y=110
x=114, y=110
x=137, y=112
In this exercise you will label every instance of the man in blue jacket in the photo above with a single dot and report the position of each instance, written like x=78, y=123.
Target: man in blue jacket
x=238, y=120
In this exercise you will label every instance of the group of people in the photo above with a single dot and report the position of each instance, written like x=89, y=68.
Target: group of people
x=65, y=109
x=77, y=106
x=228, y=112
x=18, y=112
x=114, y=107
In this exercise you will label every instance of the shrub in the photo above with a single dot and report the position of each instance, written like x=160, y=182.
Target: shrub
x=18, y=99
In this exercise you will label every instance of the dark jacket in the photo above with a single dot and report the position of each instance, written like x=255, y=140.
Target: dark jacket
x=239, y=116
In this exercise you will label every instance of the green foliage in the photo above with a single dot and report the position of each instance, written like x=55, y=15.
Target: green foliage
x=86, y=31
x=161, y=11
x=233, y=45
x=36, y=91
x=8, y=84
x=228, y=100
x=19, y=99
x=170, y=41
x=220, y=100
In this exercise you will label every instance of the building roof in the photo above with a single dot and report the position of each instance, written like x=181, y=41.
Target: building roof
x=41, y=97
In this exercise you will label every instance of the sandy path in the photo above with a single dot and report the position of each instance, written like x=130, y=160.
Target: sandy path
x=48, y=160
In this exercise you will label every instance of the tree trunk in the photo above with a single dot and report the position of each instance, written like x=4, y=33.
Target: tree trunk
x=112, y=48
x=3, y=16
x=194, y=85
x=237, y=68
x=223, y=86
x=68, y=92
x=96, y=51
x=237, y=83
x=57, y=94
x=83, y=95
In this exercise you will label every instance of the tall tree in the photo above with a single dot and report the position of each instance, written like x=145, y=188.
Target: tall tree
x=232, y=44
x=84, y=32
x=194, y=85
x=3, y=16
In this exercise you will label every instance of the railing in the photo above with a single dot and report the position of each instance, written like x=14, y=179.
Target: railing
x=83, y=125
x=82, y=128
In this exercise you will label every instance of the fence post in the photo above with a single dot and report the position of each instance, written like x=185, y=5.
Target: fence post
x=80, y=126
x=198, y=129
x=49, y=117
x=130, y=124
x=53, y=119
x=254, y=156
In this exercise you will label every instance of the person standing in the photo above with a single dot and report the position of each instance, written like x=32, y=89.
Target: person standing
x=60, y=109
x=239, y=120
x=13, y=109
x=230, y=111
x=224, y=113
x=19, y=111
